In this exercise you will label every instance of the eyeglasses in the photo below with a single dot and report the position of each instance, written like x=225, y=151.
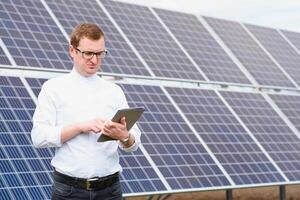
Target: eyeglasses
x=90, y=54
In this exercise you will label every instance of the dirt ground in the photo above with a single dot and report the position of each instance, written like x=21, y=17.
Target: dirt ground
x=263, y=193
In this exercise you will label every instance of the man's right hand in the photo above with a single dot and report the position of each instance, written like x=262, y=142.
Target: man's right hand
x=70, y=131
x=95, y=125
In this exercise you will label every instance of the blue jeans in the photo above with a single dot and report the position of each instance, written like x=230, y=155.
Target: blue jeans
x=65, y=192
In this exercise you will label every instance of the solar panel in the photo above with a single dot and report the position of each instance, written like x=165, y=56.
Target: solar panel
x=284, y=54
x=3, y=58
x=294, y=38
x=31, y=36
x=36, y=84
x=24, y=169
x=171, y=158
x=138, y=175
x=201, y=46
x=175, y=150
x=270, y=130
x=238, y=153
x=120, y=58
x=152, y=41
x=290, y=105
x=254, y=59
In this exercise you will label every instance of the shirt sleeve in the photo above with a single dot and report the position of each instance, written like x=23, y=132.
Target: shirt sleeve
x=136, y=133
x=45, y=133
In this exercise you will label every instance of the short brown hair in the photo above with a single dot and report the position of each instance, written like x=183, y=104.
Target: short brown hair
x=88, y=30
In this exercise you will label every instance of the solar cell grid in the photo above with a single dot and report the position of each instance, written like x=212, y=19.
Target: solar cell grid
x=206, y=52
x=290, y=105
x=152, y=41
x=169, y=141
x=284, y=54
x=35, y=84
x=254, y=59
x=234, y=148
x=34, y=40
x=270, y=130
x=31, y=36
x=3, y=58
x=120, y=58
x=293, y=37
x=138, y=175
x=21, y=161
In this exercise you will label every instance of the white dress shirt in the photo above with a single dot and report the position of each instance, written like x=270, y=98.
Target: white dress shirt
x=70, y=99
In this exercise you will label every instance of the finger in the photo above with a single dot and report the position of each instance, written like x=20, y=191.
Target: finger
x=110, y=124
x=95, y=129
x=100, y=122
x=95, y=126
x=99, y=126
x=107, y=130
x=112, y=131
x=123, y=121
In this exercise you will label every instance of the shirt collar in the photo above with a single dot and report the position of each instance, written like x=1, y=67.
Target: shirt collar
x=74, y=73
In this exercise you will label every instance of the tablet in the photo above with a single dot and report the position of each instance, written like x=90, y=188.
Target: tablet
x=131, y=115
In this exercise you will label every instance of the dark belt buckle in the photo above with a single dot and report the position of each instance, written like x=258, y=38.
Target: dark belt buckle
x=89, y=183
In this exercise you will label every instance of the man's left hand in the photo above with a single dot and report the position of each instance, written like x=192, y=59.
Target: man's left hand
x=116, y=130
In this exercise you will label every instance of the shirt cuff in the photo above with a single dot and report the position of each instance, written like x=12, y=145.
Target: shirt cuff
x=132, y=148
x=54, y=139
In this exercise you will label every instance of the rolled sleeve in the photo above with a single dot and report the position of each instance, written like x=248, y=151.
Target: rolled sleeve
x=136, y=133
x=46, y=136
x=44, y=132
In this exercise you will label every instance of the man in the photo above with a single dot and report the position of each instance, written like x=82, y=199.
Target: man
x=72, y=111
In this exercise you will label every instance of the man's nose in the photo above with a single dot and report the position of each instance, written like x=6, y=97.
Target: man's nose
x=94, y=59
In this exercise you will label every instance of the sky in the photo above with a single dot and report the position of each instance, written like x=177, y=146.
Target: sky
x=283, y=14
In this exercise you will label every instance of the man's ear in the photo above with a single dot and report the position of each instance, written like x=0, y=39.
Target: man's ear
x=71, y=51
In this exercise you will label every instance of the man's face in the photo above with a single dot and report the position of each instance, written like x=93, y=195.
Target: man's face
x=87, y=66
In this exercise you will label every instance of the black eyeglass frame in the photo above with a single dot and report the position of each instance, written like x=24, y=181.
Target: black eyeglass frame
x=90, y=54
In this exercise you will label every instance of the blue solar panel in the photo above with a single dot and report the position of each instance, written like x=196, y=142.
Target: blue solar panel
x=169, y=141
x=293, y=37
x=152, y=41
x=34, y=40
x=120, y=58
x=284, y=54
x=3, y=58
x=31, y=36
x=23, y=168
x=35, y=84
x=138, y=175
x=234, y=148
x=254, y=59
x=204, y=50
x=290, y=105
x=269, y=129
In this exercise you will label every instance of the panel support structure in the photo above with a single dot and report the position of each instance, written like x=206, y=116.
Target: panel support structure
x=229, y=195
x=282, y=192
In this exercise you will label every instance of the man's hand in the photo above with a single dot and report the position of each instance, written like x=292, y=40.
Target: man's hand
x=95, y=125
x=70, y=131
x=116, y=130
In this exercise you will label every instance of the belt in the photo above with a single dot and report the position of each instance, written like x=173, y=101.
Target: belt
x=96, y=183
